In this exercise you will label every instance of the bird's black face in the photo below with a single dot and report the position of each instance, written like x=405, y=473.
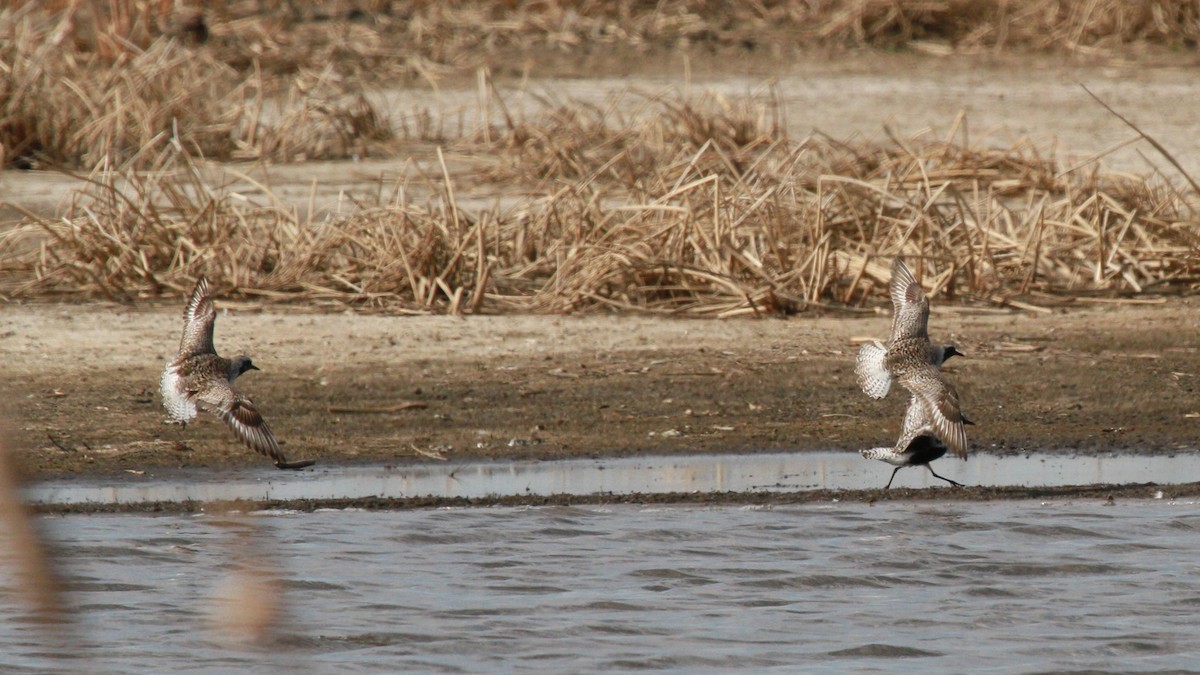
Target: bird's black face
x=949, y=351
x=246, y=365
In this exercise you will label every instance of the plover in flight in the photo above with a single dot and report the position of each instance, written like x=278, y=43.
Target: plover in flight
x=918, y=444
x=910, y=332
x=914, y=361
x=198, y=378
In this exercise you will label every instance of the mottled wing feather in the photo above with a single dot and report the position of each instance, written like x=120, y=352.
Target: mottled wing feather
x=916, y=421
x=247, y=424
x=241, y=416
x=902, y=278
x=910, y=306
x=198, y=319
x=871, y=370
x=939, y=400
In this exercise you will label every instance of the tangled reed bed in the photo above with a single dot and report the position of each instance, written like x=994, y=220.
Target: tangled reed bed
x=426, y=38
x=85, y=79
x=63, y=107
x=745, y=221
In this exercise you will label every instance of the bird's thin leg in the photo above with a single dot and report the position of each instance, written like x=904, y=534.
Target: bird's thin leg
x=889, y=485
x=180, y=444
x=935, y=475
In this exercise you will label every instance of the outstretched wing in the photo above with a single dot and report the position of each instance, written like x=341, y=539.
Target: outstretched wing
x=198, y=319
x=910, y=306
x=939, y=408
x=246, y=422
x=242, y=417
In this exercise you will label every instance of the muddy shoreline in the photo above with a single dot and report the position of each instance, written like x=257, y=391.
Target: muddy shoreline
x=357, y=389
x=1105, y=494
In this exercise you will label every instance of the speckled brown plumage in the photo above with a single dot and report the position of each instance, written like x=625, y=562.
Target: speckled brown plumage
x=198, y=378
x=918, y=445
x=912, y=360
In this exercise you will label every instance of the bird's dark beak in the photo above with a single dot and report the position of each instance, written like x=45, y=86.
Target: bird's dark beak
x=252, y=367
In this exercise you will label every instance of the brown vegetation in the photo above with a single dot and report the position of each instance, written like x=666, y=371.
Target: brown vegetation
x=694, y=205
x=86, y=79
x=288, y=36
x=700, y=206
x=33, y=566
x=63, y=104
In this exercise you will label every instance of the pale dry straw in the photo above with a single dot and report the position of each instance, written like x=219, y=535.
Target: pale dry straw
x=734, y=217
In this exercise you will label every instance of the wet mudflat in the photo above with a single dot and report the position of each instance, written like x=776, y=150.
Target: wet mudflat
x=335, y=388
x=1013, y=586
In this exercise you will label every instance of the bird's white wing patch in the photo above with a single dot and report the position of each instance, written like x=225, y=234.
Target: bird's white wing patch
x=174, y=398
x=871, y=370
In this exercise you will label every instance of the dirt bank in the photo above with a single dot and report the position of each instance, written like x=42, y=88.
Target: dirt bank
x=82, y=384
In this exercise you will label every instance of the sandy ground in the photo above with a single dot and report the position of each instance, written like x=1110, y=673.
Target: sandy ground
x=82, y=384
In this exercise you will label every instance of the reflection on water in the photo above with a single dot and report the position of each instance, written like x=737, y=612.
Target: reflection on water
x=946, y=587
x=649, y=475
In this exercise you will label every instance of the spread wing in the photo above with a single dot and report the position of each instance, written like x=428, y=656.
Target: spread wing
x=242, y=417
x=939, y=408
x=248, y=425
x=198, y=319
x=910, y=306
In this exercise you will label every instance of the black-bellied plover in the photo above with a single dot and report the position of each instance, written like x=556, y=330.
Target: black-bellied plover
x=914, y=361
x=918, y=445
x=910, y=328
x=198, y=378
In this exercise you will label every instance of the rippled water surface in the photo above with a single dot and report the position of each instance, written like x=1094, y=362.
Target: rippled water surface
x=897, y=587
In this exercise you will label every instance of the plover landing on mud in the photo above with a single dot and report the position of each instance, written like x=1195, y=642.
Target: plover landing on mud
x=918, y=444
x=198, y=378
x=914, y=361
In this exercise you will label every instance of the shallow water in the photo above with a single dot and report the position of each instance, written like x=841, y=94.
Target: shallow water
x=1015, y=586
x=769, y=472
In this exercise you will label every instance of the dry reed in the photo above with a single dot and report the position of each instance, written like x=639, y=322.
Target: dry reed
x=628, y=139
x=89, y=79
x=248, y=608
x=429, y=39
x=77, y=110
x=364, y=34
x=30, y=556
x=745, y=221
